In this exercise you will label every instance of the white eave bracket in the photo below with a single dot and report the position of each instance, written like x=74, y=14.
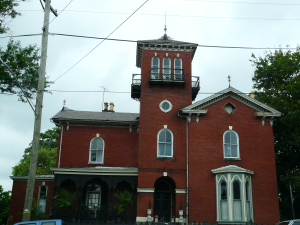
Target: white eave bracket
x=267, y=116
x=189, y=113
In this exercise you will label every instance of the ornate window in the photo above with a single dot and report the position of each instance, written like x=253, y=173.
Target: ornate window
x=42, y=198
x=93, y=198
x=155, y=68
x=231, y=144
x=97, y=150
x=167, y=68
x=234, y=194
x=165, y=143
x=178, y=68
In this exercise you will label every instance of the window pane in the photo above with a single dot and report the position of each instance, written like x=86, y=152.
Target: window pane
x=234, y=151
x=155, y=61
x=224, y=210
x=162, y=136
x=233, y=138
x=236, y=190
x=227, y=151
x=247, y=190
x=93, y=156
x=168, y=150
x=237, y=210
x=167, y=66
x=177, y=63
x=168, y=137
x=100, y=156
x=223, y=191
x=227, y=138
x=97, y=144
x=161, y=149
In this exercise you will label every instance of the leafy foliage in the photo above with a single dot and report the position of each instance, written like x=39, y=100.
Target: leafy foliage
x=7, y=10
x=65, y=199
x=36, y=213
x=24, y=63
x=4, y=205
x=277, y=83
x=46, y=156
x=125, y=199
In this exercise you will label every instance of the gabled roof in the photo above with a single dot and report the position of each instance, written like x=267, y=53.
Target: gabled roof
x=163, y=43
x=231, y=169
x=74, y=116
x=242, y=97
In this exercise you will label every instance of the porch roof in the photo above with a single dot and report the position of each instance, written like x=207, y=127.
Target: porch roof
x=98, y=170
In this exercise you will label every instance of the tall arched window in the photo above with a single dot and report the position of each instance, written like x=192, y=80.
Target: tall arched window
x=178, y=68
x=231, y=144
x=155, y=68
x=42, y=198
x=165, y=143
x=97, y=150
x=223, y=200
x=167, y=68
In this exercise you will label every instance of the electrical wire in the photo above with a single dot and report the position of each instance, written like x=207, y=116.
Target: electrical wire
x=184, y=16
x=59, y=13
x=101, y=41
x=22, y=35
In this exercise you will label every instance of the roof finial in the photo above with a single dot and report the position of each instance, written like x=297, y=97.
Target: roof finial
x=229, y=79
x=64, y=102
x=165, y=24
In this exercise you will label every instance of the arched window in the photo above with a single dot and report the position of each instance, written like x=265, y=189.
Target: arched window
x=178, y=68
x=97, y=150
x=42, y=198
x=155, y=68
x=223, y=200
x=167, y=68
x=165, y=143
x=231, y=144
x=93, y=199
x=237, y=206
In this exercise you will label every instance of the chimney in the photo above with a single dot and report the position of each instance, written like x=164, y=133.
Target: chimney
x=252, y=94
x=111, y=108
x=105, y=107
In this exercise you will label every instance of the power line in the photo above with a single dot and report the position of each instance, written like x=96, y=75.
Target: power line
x=60, y=12
x=251, y=3
x=186, y=16
x=101, y=41
x=21, y=35
x=135, y=41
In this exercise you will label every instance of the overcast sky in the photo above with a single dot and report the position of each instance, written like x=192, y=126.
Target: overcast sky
x=232, y=23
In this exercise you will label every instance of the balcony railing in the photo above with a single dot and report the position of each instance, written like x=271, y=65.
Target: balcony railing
x=167, y=75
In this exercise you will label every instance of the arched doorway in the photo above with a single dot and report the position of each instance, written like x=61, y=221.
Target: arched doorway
x=164, y=198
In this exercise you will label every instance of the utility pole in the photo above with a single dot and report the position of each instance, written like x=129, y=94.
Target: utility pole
x=38, y=117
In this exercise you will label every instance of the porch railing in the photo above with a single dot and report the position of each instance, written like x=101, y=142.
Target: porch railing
x=94, y=216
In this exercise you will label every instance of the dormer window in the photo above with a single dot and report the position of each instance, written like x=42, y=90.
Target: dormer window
x=166, y=68
x=178, y=68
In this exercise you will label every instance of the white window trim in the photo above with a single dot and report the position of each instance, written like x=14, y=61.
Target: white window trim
x=238, y=146
x=178, y=68
x=229, y=178
x=164, y=110
x=92, y=162
x=44, y=209
x=157, y=75
x=172, y=142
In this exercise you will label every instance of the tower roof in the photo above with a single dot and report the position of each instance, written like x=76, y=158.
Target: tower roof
x=163, y=43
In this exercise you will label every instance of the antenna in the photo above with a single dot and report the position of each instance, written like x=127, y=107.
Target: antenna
x=104, y=89
x=165, y=23
x=229, y=79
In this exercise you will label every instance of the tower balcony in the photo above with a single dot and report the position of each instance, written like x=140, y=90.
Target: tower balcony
x=177, y=79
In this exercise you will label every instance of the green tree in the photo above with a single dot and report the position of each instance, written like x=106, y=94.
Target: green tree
x=46, y=156
x=277, y=83
x=4, y=205
x=7, y=10
x=125, y=199
x=22, y=62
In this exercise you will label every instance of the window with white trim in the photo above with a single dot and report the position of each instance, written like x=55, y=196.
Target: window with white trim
x=165, y=143
x=155, y=68
x=178, y=68
x=93, y=198
x=167, y=68
x=234, y=197
x=231, y=144
x=97, y=150
x=42, y=198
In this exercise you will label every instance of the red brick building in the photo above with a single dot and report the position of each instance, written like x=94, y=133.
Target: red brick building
x=213, y=159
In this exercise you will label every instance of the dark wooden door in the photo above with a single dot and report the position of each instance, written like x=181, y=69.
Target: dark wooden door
x=162, y=205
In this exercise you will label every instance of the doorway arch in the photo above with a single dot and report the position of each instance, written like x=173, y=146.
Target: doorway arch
x=164, y=198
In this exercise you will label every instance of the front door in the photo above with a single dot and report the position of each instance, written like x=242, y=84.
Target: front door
x=162, y=205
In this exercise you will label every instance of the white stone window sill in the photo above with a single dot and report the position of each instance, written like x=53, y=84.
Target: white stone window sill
x=164, y=157
x=96, y=163
x=236, y=159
